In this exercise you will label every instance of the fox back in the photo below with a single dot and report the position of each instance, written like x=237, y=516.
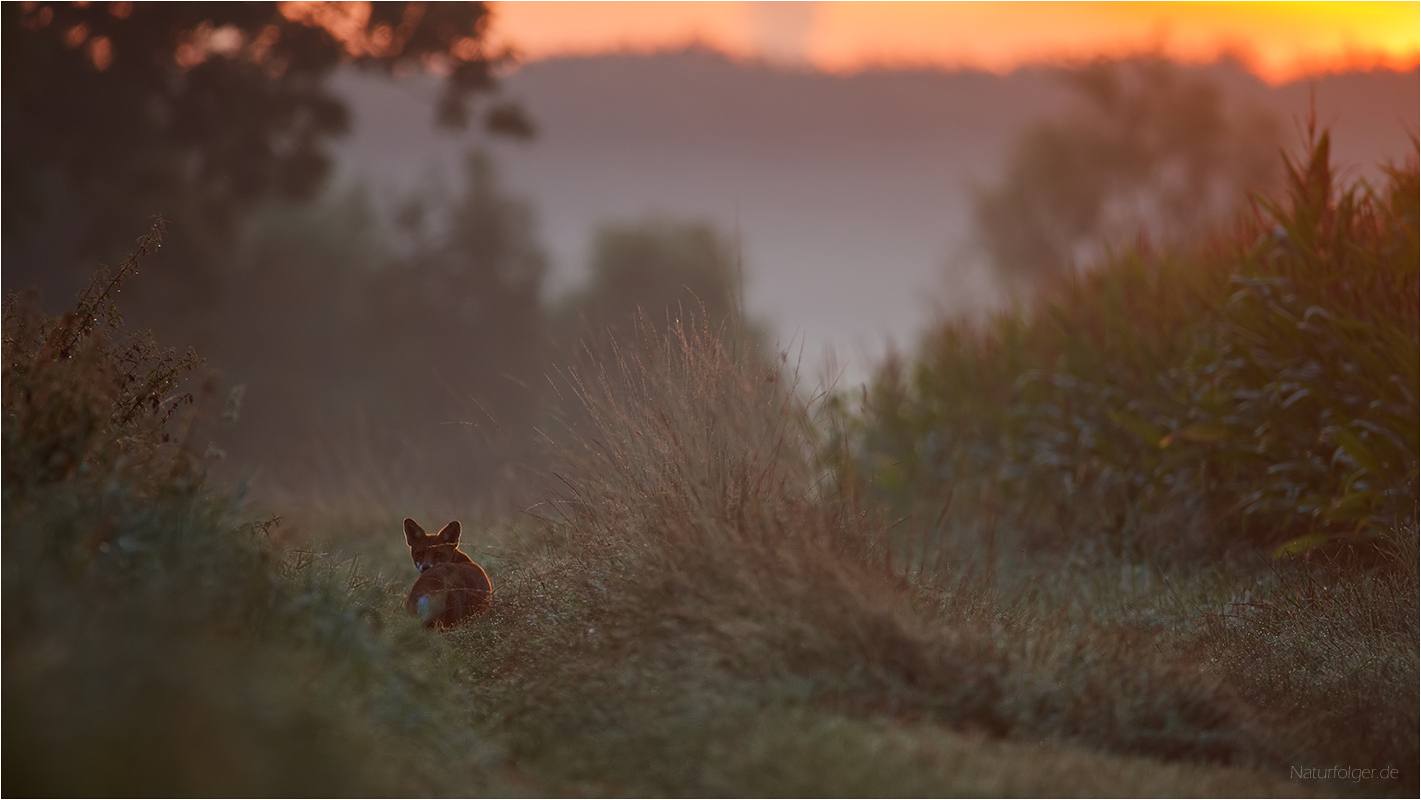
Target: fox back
x=447, y=594
x=451, y=587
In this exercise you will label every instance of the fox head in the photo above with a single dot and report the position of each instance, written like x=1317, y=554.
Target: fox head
x=440, y=548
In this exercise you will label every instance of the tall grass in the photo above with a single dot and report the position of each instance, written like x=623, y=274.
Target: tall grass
x=1174, y=411
x=1257, y=390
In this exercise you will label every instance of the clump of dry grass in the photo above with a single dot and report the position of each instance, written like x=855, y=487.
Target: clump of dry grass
x=698, y=571
x=695, y=528
x=695, y=490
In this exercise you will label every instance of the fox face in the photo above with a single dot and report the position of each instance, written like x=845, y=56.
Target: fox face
x=451, y=587
x=440, y=548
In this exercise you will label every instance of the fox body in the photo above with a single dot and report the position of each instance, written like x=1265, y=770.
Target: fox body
x=451, y=587
x=447, y=594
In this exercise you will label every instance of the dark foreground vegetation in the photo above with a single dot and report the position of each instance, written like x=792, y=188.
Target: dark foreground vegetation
x=1039, y=561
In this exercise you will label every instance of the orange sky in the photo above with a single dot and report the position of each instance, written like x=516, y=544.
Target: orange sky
x=1280, y=41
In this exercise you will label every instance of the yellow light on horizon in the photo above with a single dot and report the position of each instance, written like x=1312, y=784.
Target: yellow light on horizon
x=1279, y=41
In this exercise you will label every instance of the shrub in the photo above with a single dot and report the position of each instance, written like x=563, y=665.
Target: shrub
x=152, y=645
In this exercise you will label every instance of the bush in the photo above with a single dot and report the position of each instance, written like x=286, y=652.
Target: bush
x=154, y=646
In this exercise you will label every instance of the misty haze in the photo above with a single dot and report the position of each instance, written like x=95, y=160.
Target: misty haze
x=383, y=417
x=852, y=195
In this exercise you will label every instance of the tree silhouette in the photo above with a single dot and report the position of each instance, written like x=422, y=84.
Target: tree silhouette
x=422, y=354
x=656, y=270
x=1148, y=151
x=118, y=111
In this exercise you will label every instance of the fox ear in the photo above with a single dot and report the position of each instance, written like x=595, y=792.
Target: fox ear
x=412, y=531
x=450, y=533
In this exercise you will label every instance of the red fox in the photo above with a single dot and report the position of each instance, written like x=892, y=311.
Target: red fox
x=451, y=587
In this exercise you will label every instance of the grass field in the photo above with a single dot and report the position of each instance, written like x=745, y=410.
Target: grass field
x=739, y=589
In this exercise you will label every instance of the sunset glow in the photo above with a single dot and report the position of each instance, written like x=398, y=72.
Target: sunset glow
x=1278, y=41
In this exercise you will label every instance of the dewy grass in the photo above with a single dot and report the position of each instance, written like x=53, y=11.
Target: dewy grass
x=1330, y=652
